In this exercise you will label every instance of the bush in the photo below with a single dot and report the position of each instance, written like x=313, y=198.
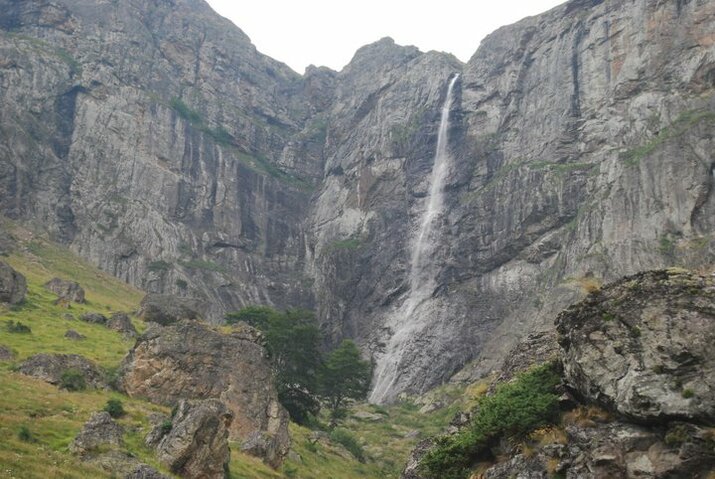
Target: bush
x=25, y=435
x=348, y=441
x=166, y=427
x=688, y=393
x=514, y=410
x=72, y=380
x=17, y=327
x=115, y=408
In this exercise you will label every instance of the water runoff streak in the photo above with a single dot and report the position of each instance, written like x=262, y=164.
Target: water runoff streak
x=423, y=269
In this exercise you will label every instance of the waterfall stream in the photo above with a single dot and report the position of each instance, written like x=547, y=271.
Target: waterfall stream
x=423, y=268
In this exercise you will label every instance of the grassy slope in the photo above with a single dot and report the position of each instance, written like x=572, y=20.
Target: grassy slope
x=54, y=417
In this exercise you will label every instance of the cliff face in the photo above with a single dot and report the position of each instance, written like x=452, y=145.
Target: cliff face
x=148, y=136
x=156, y=141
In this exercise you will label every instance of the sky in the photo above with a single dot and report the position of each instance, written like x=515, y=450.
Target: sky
x=328, y=32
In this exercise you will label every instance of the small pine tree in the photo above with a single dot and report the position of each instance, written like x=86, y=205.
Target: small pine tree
x=345, y=376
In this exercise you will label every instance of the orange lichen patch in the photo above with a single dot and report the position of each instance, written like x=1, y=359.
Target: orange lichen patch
x=549, y=435
x=586, y=416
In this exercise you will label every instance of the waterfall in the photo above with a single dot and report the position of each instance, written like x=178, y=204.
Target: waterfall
x=423, y=268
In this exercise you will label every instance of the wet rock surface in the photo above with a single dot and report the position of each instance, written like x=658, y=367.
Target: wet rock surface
x=191, y=360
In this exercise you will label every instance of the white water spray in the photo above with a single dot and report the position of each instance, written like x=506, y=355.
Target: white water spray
x=423, y=268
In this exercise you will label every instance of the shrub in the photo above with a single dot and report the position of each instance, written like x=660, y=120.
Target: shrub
x=166, y=427
x=348, y=441
x=17, y=327
x=115, y=408
x=688, y=393
x=72, y=380
x=513, y=411
x=25, y=435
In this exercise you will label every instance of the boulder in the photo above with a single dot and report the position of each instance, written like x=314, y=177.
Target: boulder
x=94, y=318
x=50, y=367
x=13, y=286
x=165, y=309
x=191, y=360
x=66, y=290
x=99, y=432
x=642, y=347
x=121, y=323
x=145, y=472
x=197, y=445
x=74, y=335
x=6, y=354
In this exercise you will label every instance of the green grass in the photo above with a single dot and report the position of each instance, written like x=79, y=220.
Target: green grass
x=349, y=244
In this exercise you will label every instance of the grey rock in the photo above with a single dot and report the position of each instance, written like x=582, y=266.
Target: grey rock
x=411, y=470
x=192, y=360
x=99, y=432
x=13, y=286
x=165, y=309
x=69, y=291
x=74, y=335
x=642, y=347
x=145, y=472
x=68, y=316
x=94, y=318
x=50, y=367
x=121, y=323
x=368, y=416
x=6, y=354
x=197, y=445
x=158, y=429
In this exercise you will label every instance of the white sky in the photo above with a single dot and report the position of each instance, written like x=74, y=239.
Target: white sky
x=327, y=32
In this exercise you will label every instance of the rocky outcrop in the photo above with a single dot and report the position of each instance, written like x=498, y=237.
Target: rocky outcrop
x=121, y=323
x=197, y=445
x=51, y=367
x=642, y=347
x=13, y=286
x=164, y=309
x=74, y=335
x=93, y=318
x=6, y=354
x=69, y=291
x=100, y=443
x=99, y=432
x=191, y=360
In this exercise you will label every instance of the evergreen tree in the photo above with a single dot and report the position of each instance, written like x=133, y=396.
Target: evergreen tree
x=345, y=376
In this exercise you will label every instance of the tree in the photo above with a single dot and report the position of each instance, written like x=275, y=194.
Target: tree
x=344, y=376
x=293, y=343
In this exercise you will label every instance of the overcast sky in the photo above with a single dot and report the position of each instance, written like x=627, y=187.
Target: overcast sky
x=327, y=32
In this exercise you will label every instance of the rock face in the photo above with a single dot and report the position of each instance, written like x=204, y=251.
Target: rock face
x=165, y=309
x=642, y=347
x=50, y=367
x=580, y=148
x=190, y=360
x=66, y=290
x=197, y=445
x=13, y=286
